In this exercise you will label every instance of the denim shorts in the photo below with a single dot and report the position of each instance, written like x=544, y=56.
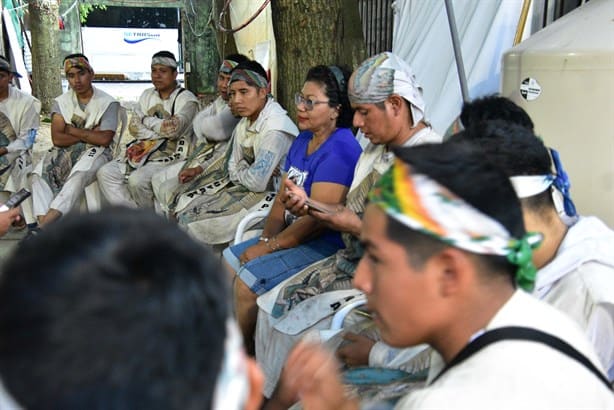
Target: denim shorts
x=264, y=273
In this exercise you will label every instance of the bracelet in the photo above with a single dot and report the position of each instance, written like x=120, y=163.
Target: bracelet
x=275, y=244
x=264, y=239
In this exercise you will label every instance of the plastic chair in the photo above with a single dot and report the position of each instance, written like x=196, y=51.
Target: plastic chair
x=247, y=221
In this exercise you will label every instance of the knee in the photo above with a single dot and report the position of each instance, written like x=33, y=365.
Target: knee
x=104, y=172
x=136, y=181
x=243, y=294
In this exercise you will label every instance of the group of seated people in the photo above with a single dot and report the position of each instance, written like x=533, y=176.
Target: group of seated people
x=466, y=258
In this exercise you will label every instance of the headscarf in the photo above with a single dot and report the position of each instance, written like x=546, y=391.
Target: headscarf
x=165, y=61
x=227, y=66
x=420, y=203
x=382, y=75
x=530, y=185
x=6, y=66
x=250, y=77
x=232, y=387
x=77, y=62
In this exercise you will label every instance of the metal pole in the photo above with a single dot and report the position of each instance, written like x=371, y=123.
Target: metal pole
x=460, y=67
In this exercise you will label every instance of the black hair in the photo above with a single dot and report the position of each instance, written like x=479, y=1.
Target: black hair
x=461, y=168
x=115, y=310
x=252, y=66
x=494, y=107
x=517, y=151
x=76, y=55
x=336, y=93
x=237, y=58
x=164, y=53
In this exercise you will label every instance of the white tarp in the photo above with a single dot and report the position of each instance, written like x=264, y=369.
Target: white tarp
x=422, y=38
x=257, y=40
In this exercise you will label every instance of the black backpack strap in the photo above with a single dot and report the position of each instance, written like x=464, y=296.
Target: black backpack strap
x=175, y=100
x=526, y=334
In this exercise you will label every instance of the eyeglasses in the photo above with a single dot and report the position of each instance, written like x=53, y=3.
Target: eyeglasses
x=308, y=104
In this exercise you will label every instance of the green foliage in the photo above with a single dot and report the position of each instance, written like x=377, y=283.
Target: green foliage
x=85, y=9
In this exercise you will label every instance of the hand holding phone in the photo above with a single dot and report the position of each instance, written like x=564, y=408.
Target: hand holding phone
x=320, y=207
x=15, y=199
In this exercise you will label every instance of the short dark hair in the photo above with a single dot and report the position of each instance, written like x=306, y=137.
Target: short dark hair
x=115, y=310
x=76, y=55
x=164, y=53
x=336, y=93
x=494, y=107
x=517, y=151
x=252, y=66
x=461, y=168
x=236, y=57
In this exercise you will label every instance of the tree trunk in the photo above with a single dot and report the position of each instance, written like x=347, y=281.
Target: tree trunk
x=312, y=32
x=200, y=50
x=46, y=81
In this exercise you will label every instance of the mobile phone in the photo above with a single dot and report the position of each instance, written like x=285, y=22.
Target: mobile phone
x=15, y=199
x=317, y=207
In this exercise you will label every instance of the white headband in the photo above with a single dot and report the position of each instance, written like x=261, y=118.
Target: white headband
x=530, y=185
x=166, y=61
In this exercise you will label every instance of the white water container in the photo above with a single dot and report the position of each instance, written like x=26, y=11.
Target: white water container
x=563, y=76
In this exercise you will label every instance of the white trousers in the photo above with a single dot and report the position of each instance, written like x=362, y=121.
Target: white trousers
x=165, y=184
x=136, y=191
x=71, y=191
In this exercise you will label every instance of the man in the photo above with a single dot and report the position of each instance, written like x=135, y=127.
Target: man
x=241, y=180
x=83, y=124
x=104, y=315
x=213, y=127
x=576, y=259
x=445, y=249
x=19, y=121
x=390, y=111
x=359, y=350
x=162, y=127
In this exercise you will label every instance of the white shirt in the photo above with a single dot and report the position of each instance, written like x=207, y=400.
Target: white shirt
x=518, y=374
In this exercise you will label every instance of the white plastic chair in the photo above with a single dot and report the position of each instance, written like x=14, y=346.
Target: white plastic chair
x=336, y=324
x=248, y=220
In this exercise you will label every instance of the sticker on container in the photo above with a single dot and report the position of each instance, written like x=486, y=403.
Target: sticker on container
x=530, y=89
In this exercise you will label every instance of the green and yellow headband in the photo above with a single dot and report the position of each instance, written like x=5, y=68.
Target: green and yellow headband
x=420, y=203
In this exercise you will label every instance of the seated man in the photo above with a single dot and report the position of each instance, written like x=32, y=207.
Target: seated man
x=213, y=127
x=360, y=350
x=83, y=124
x=162, y=127
x=242, y=180
x=390, y=111
x=19, y=121
x=98, y=313
x=445, y=253
x=576, y=260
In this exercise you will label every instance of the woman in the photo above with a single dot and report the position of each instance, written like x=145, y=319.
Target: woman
x=240, y=181
x=322, y=161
